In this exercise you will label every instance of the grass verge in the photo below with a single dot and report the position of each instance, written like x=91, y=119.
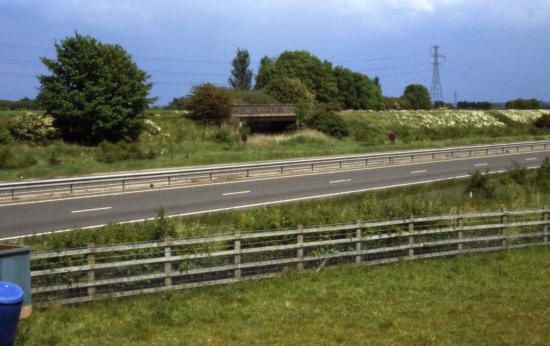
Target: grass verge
x=500, y=298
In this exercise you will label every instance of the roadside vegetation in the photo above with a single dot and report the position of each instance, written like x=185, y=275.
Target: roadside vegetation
x=499, y=298
x=171, y=139
x=519, y=188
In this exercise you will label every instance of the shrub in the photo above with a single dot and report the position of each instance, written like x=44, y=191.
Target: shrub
x=34, y=128
x=327, y=122
x=5, y=136
x=224, y=135
x=543, y=176
x=543, y=122
x=518, y=173
x=209, y=104
x=480, y=184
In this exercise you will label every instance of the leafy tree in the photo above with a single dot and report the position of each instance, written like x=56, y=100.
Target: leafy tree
x=416, y=96
x=289, y=90
x=265, y=72
x=253, y=97
x=316, y=75
x=209, y=104
x=356, y=91
x=95, y=91
x=24, y=103
x=523, y=104
x=241, y=74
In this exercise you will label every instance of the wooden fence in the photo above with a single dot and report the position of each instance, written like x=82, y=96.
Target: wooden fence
x=91, y=273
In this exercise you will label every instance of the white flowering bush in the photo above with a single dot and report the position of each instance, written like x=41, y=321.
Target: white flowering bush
x=34, y=127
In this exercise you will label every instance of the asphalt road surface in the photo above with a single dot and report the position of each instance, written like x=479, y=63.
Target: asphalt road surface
x=39, y=217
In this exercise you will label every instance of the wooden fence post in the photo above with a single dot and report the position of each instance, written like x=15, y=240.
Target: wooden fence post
x=503, y=220
x=300, y=251
x=91, y=272
x=411, y=236
x=358, y=244
x=168, y=263
x=237, y=248
x=460, y=221
x=545, y=226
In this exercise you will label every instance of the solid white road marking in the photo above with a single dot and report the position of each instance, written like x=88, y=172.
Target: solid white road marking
x=480, y=164
x=531, y=159
x=90, y=210
x=235, y=193
x=339, y=181
x=421, y=171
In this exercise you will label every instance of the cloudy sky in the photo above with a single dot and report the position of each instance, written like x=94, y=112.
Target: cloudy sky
x=495, y=49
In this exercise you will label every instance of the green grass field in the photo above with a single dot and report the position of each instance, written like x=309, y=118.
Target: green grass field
x=181, y=142
x=491, y=299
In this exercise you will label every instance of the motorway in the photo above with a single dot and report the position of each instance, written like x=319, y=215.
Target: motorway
x=37, y=217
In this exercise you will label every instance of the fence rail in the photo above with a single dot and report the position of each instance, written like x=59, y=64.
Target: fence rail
x=90, y=273
x=166, y=178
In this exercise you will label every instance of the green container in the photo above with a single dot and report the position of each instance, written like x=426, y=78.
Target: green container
x=15, y=266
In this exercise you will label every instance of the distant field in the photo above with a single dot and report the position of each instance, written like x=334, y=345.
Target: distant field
x=172, y=140
x=496, y=299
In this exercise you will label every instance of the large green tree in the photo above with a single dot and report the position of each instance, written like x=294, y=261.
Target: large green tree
x=241, y=74
x=356, y=91
x=523, y=104
x=95, y=91
x=289, y=90
x=316, y=75
x=416, y=96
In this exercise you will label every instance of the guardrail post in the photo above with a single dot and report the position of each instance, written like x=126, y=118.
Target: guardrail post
x=91, y=272
x=433, y=156
x=469, y=153
x=391, y=160
x=169, y=181
x=247, y=172
x=504, y=231
x=411, y=236
x=282, y=169
x=340, y=164
x=544, y=145
x=358, y=244
x=545, y=226
x=300, y=251
x=123, y=184
x=71, y=189
x=312, y=167
x=517, y=149
x=168, y=263
x=452, y=154
x=460, y=222
x=412, y=158
x=211, y=177
x=13, y=194
x=366, y=162
x=237, y=248
x=532, y=147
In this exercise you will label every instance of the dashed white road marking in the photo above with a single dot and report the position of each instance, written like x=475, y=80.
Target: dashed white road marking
x=421, y=171
x=90, y=210
x=481, y=164
x=531, y=159
x=339, y=181
x=235, y=193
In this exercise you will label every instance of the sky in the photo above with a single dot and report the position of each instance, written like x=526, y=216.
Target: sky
x=495, y=50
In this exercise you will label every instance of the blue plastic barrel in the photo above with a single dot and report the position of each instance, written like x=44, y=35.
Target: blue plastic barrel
x=11, y=299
